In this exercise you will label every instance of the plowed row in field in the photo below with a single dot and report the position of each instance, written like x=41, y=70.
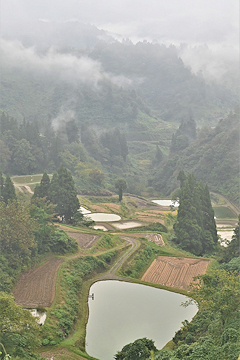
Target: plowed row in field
x=84, y=241
x=175, y=272
x=37, y=287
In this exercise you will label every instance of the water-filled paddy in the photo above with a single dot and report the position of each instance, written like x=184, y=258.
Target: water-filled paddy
x=166, y=203
x=122, y=312
x=28, y=179
x=127, y=225
x=226, y=234
x=84, y=211
x=103, y=217
x=100, y=227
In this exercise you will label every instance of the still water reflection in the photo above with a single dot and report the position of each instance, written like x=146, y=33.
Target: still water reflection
x=122, y=312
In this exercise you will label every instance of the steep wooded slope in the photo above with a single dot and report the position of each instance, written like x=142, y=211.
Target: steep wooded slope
x=213, y=158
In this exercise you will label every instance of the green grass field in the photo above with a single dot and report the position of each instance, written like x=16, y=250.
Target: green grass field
x=27, y=179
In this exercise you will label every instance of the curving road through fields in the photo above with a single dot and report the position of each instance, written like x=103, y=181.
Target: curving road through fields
x=111, y=274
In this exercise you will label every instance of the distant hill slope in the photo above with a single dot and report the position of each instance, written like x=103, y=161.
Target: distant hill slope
x=213, y=157
x=162, y=79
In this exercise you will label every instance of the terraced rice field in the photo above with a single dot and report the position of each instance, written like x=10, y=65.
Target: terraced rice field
x=175, y=272
x=156, y=238
x=84, y=241
x=97, y=208
x=37, y=287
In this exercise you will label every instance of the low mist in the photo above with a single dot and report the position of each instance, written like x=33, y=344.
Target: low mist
x=64, y=66
x=214, y=63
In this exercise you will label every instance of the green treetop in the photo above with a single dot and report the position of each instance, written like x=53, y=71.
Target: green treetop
x=42, y=189
x=120, y=185
x=19, y=331
x=140, y=349
x=1, y=184
x=8, y=190
x=233, y=248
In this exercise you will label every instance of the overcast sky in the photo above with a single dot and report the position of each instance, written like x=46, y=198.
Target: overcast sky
x=192, y=21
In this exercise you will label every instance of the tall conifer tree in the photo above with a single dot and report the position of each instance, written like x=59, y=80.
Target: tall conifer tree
x=1, y=184
x=42, y=189
x=195, y=228
x=8, y=192
x=62, y=192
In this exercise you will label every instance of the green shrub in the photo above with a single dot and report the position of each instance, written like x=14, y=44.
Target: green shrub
x=45, y=342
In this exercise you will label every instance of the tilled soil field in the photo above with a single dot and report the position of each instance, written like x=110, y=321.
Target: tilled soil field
x=84, y=241
x=37, y=287
x=175, y=272
x=62, y=354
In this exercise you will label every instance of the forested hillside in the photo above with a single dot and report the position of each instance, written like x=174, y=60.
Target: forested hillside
x=108, y=109
x=213, y=157
x=108, y=84
x=159, y=75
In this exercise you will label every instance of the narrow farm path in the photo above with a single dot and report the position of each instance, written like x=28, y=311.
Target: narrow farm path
x=111, y=274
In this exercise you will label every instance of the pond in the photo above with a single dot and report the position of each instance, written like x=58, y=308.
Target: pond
x=166, y=203
x=122, y=312
x=103, y=217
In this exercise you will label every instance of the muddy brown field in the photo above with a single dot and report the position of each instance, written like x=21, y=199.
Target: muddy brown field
x=84, y=241
x=175, y=272
x=62, y=354
x=37, y=287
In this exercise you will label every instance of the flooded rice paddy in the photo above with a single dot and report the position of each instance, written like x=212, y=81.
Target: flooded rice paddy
x=122, y=312
x=166, y=202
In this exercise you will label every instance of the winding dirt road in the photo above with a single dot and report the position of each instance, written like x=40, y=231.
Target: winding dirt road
x=111, y=274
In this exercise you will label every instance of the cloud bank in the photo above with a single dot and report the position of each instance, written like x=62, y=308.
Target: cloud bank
x=192, y=21
x=66, y=67
x=217, y=62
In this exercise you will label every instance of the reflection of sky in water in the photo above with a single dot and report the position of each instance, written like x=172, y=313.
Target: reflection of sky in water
x=102, y=217
x=166, y=203
x=127, y=225
x=123, y=312
x=100, y=227
x=84, y=211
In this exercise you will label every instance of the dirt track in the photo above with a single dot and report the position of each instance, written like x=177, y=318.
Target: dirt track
x=175, y=272
x=37, y=287
x=111, y=273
